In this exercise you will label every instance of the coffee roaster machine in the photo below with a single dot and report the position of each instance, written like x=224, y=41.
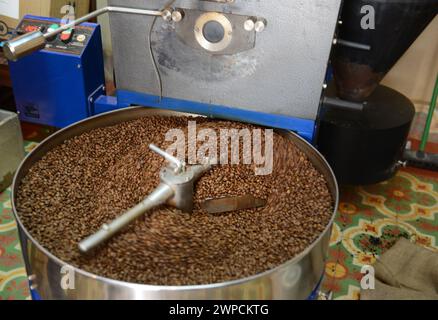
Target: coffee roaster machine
x=249, y=61
x=224, y=59
x=245, y=61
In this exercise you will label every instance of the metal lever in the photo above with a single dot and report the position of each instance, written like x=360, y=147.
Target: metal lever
x=160, y=196
x=352, y=44
x=36, y=40
x=179, y=165
x=343, y=104
x=228, y=204
x=176, y=189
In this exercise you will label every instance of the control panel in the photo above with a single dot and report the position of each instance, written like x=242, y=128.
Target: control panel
x=72, y=41
x=56, y=86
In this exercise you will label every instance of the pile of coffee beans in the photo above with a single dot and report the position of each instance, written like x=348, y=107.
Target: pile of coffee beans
x=93, y=178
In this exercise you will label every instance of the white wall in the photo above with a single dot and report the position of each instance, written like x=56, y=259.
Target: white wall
x=415, y=73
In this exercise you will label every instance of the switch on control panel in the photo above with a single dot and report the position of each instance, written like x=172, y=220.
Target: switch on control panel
x=53, y=27
x=71, y=41
x=67, y=35
x=31, y=28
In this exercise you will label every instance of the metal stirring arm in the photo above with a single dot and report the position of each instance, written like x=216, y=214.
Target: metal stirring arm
x=158, y=197
x=176, y=189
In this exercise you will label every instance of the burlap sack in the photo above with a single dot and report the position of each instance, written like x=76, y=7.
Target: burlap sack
x=406, y=271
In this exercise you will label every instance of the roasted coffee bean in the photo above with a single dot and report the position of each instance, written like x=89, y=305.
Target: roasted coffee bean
x=93, y=178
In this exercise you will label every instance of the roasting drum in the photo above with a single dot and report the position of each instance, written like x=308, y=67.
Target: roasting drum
x=296, y=279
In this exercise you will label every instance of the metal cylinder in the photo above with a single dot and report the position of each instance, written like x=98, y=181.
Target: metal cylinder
x=156, y=198
x=295, y=279
x=24, y=45
x=364, y=146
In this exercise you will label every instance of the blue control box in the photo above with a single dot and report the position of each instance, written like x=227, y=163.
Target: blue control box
x=57, y=85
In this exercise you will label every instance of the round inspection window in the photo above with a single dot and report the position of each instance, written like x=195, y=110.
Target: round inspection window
x=213, y=31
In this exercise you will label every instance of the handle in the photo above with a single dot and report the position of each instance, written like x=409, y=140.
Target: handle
x=34, y=41
x=179, y=165
x=430, y=114
x=159, y=196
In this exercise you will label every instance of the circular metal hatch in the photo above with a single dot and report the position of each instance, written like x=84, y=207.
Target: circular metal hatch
x=213, y=31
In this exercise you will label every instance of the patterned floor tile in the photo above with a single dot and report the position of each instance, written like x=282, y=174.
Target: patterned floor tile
x=343, y=274
x=372, y=219
x=15, y=287
x=422, y=222
x=13, y=277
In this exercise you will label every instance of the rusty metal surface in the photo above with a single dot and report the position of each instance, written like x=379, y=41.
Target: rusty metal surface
x=398, y=23
x=354, y=81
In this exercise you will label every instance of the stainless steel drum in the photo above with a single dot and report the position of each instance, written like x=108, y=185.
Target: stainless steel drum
x=295, y=279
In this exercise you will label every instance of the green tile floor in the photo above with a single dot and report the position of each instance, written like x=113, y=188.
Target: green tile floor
x=13, y=278
x=370, y=219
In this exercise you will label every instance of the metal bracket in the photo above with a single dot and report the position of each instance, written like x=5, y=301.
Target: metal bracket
x=100, y=91
x=236, y=37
